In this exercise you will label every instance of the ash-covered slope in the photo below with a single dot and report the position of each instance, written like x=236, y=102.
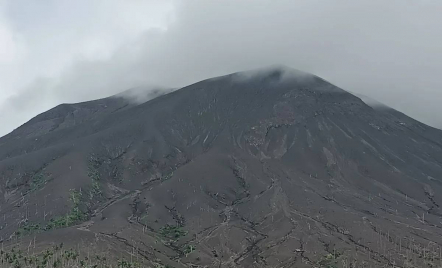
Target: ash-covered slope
x=266, y=168
x=66, y=117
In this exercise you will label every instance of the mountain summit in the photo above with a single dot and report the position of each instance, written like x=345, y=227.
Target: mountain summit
x=264, y=168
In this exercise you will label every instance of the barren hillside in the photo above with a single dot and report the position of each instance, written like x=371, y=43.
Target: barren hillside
x=266, y=168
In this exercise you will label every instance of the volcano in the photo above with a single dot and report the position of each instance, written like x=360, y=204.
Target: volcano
x=265, y=168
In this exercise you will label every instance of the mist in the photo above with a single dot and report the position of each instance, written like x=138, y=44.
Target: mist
x=389, y=51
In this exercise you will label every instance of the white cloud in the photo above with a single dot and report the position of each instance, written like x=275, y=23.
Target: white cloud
x=7, y=45
x=67, y=44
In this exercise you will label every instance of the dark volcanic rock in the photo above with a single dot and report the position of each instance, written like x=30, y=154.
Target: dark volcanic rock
x=266, y=168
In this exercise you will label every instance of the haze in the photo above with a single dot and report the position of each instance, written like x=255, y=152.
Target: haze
x=54, y=52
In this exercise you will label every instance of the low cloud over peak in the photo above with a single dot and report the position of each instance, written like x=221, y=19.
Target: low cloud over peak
x=69, y=51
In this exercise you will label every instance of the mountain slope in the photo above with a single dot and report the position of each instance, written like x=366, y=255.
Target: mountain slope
x=266, y=168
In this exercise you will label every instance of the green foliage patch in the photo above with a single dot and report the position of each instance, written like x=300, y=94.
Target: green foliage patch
x=188, y=249
x=94, y=175
x=38, y=181
x=329, y=261
x=74, y=216
x=172, y=232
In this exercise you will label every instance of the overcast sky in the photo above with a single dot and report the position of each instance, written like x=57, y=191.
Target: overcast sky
x=58, y=51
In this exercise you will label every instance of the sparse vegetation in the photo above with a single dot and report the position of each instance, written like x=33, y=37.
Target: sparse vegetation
x=328, y=261
x=94, y=174
x=127, y=264
x=55, y=257
x=167, y=177
x=74, y=216
x=159, y=265
x=188, y=249
x=28, y=228
x=38, y=181
x=172, y=232
x=95, y=190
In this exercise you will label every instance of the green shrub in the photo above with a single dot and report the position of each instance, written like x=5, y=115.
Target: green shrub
x=172, y=232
